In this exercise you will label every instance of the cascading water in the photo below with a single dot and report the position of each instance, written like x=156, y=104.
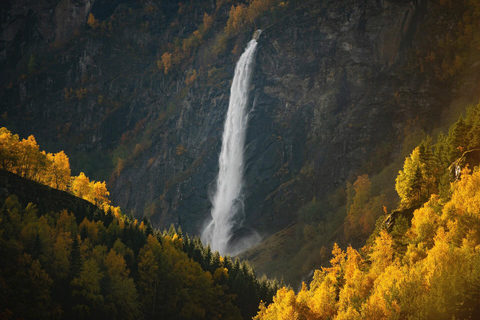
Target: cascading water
x=227, y=203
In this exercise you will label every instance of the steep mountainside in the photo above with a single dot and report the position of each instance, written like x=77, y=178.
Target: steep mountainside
x=334, y=81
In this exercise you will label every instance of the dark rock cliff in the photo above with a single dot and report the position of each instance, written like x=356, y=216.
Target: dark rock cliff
x=331, y=85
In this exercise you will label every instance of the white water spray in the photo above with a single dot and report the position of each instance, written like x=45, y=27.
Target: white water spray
x=227, y=203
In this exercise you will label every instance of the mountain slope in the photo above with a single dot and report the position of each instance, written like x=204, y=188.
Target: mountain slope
x=140, y=96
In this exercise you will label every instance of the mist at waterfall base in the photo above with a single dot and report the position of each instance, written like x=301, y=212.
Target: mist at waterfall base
x=225, y=232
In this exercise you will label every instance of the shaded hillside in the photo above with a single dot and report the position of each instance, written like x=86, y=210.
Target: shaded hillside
x=46, y=198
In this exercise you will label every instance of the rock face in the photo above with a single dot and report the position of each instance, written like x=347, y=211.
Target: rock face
x=30, y=24
x=330, y=86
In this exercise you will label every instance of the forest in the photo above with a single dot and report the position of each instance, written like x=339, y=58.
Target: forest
x=72, y=265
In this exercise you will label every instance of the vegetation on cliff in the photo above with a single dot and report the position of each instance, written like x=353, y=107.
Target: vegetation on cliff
x=425, y=268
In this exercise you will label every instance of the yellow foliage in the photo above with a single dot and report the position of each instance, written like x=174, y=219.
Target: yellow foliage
x=61, y=253
x=383, y=303
x=207, y=22
x=425, y=223
x=9, y=150
x=237, y=19
x=90, y=229
x=167, y=62
x=362, y=209
x=180, y=150
x=116, y=265
x=241, y=15
x=81, y=92
x=80, y=186
x=92, y=22
x=191, y=77
x=465, y=200
x=382, y=253
x=436, y=278
x=337, y=261
x=283, y=307
x=324, y=300
x=221, y=274
x=58, y=172
x=66, y=223
x=100, y=194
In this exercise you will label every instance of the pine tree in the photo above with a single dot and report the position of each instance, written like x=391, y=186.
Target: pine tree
x=86, y=291
x=171, y=230
x=37, y=247
x=457, y=140
x=215, y=263
x=414, y=183
x=148, y=226
x=207, y=257
x=417, y=184
x=75, y=258
x=180, y=232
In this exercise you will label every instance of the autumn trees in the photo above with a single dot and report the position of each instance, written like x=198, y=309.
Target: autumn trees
x=94, y=191
x=243, y=15
x=23, y=157
x=59, y=172
x=109, y=267
x=363, y=209
x=428, y=268
x=92, y=22
x=435, y=278
x=417, y=181
x=432, y=166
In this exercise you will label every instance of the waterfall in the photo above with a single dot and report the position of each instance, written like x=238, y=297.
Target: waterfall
x=227, y=202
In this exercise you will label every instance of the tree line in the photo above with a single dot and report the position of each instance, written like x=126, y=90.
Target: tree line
x=24, y=158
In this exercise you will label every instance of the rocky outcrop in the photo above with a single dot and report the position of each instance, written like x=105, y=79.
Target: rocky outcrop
x=70, y=17
x=330, y=86
x=391, y=218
